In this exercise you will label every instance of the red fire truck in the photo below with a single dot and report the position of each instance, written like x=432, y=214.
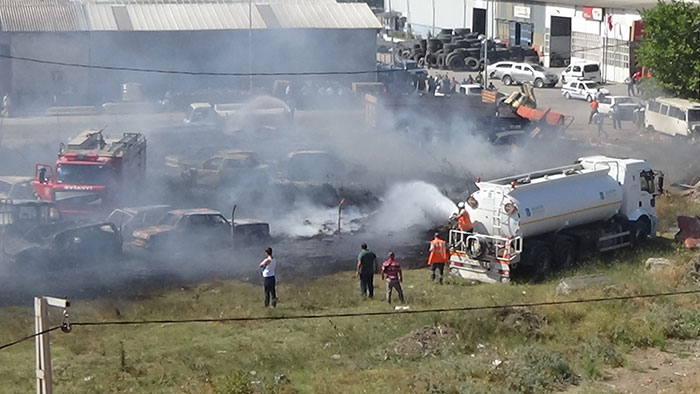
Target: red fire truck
x=92, y=172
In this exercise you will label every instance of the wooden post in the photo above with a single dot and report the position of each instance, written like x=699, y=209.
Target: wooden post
x=43, y=353
x=42, y=342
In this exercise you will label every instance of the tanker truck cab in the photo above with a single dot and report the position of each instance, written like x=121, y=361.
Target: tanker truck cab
x=550, y=218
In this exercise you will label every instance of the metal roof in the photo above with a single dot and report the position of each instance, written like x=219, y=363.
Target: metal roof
x=169, y=15
x=37, y=15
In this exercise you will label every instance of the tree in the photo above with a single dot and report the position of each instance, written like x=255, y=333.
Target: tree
x=670, y=49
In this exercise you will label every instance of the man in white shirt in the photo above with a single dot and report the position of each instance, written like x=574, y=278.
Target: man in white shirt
x=268, y=265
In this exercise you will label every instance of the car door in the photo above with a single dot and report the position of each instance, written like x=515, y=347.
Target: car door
x=576, y=72
x=581, y=90
x=518, y=74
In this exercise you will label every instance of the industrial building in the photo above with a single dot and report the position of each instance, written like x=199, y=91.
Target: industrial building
x=82, y=51
x=562, y=31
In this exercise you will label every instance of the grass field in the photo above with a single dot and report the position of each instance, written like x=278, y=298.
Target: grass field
x=534, y=350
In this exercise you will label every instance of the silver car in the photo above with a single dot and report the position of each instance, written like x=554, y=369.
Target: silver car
x=511, y=72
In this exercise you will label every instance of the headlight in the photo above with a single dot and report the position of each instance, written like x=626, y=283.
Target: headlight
x=471, y=201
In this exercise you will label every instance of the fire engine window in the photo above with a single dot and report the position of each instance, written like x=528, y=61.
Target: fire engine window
x=212, y=164
x=82, y=174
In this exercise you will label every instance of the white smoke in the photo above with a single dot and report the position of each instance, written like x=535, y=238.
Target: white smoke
x=412, y=204
x=309, y=220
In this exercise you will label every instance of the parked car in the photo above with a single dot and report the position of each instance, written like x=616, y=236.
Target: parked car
x=470, y=89
x=130, y=218
x=586, y=90
x=225, y=169
x=589, y=71
x=193, y=230
x=186, y=228
x=510, y=72
x=16, y=187
x=625, y=104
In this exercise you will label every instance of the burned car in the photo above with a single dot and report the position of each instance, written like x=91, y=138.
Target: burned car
x=227, y=169
x=196, y=229
x=16, y=187
x=130, y=218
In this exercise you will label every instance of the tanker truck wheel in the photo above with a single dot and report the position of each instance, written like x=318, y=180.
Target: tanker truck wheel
x=641, y=229
x=564, y=252
x=475, y=248
x=541, y=261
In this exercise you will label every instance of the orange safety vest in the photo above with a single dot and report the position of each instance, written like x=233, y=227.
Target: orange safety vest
x=464, y=222
x=438, y=251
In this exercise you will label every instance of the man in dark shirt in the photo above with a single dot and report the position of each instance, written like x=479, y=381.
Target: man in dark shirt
x=366, y=268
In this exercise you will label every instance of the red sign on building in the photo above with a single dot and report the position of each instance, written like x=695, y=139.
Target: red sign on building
x=593, y=13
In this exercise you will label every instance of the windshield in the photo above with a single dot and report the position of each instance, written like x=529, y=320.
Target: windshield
x=591, y=85
x=81, y=174
x=694, y=115
x=170, y=220
x=537, y=67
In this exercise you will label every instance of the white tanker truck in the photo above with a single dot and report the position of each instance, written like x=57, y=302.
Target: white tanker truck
x=552, y=217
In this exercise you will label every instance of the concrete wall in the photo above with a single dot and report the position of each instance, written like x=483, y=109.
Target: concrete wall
x=448, y=14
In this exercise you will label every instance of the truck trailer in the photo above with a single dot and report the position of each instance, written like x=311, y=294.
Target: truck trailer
x=92, y=173
x=551, y=218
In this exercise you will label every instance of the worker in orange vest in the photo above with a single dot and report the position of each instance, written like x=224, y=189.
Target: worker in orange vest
x=464, y=222
x=437, y=257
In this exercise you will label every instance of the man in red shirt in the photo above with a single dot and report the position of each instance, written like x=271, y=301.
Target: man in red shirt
x=391, y=272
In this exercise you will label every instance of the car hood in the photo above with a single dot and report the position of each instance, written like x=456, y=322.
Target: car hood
x=147, y=232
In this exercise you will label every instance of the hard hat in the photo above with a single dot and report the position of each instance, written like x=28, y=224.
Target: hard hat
x=461, y=204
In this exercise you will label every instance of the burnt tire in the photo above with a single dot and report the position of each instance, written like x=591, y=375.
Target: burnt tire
x=471, y=64
x=455, y=63
x=441, y=61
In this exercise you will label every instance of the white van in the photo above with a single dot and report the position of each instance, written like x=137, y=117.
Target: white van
x=673, y=116
x=585, y=70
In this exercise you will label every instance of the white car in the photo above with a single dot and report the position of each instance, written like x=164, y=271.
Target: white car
x=586, y=90
x=589, y=71
x=511, y=72
x=470, y=89
x=626, y=105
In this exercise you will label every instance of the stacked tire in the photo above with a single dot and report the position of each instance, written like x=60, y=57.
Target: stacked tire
x=462, y=50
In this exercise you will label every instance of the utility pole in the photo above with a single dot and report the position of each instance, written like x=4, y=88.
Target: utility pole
x=486, y=61
x=42, y=345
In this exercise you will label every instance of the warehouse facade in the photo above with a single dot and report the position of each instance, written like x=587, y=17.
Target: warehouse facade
x=562, y=31
x=45, y=43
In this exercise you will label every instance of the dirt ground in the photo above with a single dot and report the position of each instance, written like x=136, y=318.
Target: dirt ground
x=651, y=371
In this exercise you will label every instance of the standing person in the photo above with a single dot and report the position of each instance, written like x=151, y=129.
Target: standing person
x=437, y=257
x=630, y=86
x=269, y=265
x=464, y=221
x=391, y=272
x=615, y=113
x=594, y=110
x=366, y=268
x=598, y=120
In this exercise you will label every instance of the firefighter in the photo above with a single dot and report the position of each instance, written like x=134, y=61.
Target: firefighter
x=464, y=222
x=437, y=257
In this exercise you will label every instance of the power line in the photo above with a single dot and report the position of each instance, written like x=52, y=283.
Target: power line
x=28, y=337
x=233, y=74
x=357, y=314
